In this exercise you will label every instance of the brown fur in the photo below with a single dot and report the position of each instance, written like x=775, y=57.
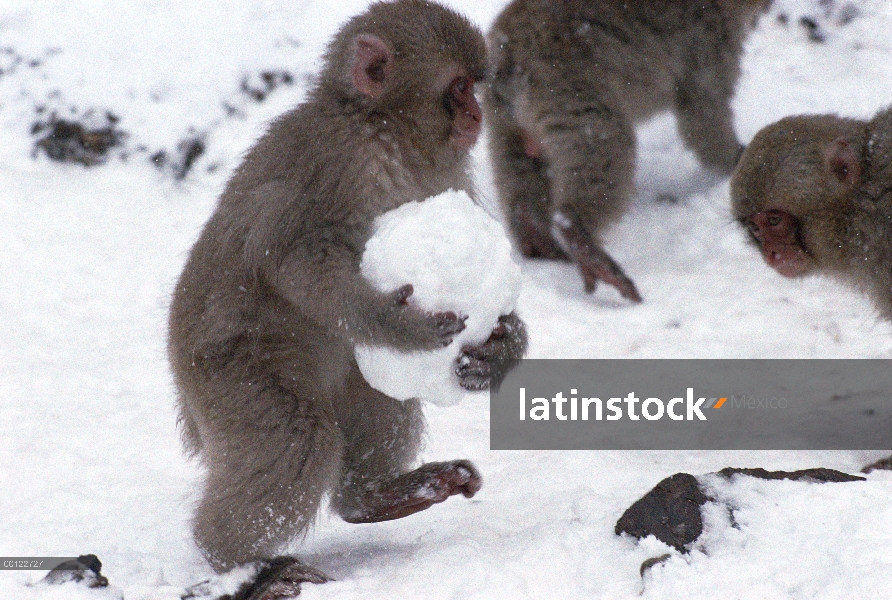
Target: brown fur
x=271, y=303
x=570, y=80
x=833, y=176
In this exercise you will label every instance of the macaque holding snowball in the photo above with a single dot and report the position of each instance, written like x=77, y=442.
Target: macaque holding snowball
x=271, y=302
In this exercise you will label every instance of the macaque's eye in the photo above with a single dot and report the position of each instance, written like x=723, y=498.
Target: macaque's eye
x=461, y=86
x=774, y=220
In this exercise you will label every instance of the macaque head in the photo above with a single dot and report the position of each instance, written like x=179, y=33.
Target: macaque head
x=794, y=188
x=414, y=62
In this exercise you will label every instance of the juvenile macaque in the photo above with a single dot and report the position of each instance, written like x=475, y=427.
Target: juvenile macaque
x=271, y=302
x=570, y=80
x=815, y=194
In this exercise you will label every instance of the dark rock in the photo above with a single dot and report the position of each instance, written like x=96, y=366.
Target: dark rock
x=819, y=475
x=884, y=464
x=189, y=150
x=66, y=140
x=651, y=562
x=85, y=568
x=268, y=82
x=85, y=138
x=180, y=162
x=848, y=13
x=813, y=29
x=670, y=512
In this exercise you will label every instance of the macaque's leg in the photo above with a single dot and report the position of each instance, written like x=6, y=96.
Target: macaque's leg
x=384, y=436
x=589, y=145
x=267, y=471
x=521, y=177
x=706, y=122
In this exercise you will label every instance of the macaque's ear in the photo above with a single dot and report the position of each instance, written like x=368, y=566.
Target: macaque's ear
x=371, y=64
x=843, y=162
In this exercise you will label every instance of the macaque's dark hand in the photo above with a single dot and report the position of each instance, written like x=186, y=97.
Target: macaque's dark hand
x=593, y=262
x=473, y=369
x=507, y=344
x=428, y=330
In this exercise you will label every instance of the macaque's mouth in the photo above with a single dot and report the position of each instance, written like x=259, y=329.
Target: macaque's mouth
x=791, y=262
x=464, y=139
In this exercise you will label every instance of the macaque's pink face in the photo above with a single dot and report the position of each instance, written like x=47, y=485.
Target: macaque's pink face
x=777, y=233
x=465, y=111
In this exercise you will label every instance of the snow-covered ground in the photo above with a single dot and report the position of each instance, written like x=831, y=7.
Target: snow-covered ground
x=89, y=455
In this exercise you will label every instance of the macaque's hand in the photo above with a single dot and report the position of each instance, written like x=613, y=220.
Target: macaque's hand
x=423, y=330
x=507, y=344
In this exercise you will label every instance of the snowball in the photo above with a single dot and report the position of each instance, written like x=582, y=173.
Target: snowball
x=458, y=259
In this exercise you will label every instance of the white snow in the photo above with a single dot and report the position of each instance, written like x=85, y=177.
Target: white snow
x=457, y=258
x=90, y=459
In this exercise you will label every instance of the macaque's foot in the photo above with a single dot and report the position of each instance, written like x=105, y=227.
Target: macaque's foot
x=279, y=577
x=593, y=262
x=413, y=492
x=564, y=237
x=485, y=366
x=596, y=265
